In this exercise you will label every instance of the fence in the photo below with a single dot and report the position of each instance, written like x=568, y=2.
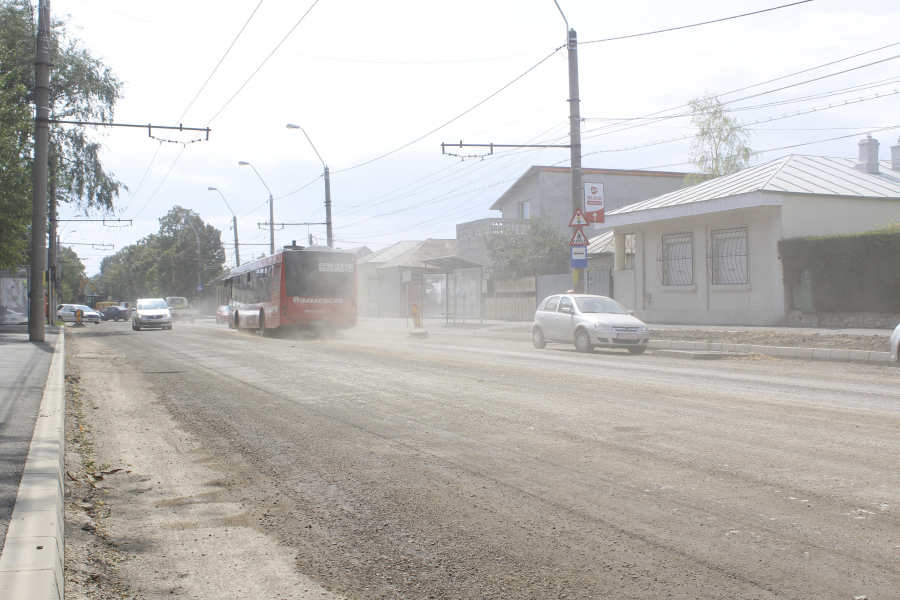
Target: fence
x=14, y=296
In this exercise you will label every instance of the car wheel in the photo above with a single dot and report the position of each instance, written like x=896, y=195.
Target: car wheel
x=135, y=327
x=537, y=338
x=637, y=349
x=583, y=341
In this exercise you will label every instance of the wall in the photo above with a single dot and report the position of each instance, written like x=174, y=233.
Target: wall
x=391, y=302
x=760, y=302
x=828, y=215
x=366, y=280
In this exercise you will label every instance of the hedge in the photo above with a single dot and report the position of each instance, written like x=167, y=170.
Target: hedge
x=850, y=273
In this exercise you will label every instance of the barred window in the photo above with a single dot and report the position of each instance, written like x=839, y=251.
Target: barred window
x=726, y=256
x=629, y=251
x=675, y=259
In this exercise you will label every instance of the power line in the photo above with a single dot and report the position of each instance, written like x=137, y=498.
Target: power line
x=634, y=35
x=265, y=61
x=459, y=116
x=160, y=184
x=233, y=42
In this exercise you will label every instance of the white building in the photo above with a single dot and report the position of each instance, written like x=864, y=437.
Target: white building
x=708, y=254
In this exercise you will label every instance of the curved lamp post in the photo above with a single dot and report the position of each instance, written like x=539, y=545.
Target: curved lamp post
x=271, y=209
x=327, y=186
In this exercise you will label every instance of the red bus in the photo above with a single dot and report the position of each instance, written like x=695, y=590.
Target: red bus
x=301, y=289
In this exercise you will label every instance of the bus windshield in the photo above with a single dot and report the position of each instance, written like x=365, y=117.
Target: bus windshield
x=318, y=274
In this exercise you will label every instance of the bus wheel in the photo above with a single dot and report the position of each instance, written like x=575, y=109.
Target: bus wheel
x=262, y=324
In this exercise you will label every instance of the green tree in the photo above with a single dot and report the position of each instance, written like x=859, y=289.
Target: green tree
x=721, y=146
x=15, y=182
x=72, y=274
x=165, y=263
x=537, y=247
x=82, y=88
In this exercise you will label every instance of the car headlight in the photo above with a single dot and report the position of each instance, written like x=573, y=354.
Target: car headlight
x=599, y=325
x=644, y=328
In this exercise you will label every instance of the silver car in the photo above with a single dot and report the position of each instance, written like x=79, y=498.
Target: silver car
x=67, y=314
x=151, y=312
x=588, y=322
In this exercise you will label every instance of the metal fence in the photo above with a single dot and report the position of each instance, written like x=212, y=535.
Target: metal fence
x=599, y=283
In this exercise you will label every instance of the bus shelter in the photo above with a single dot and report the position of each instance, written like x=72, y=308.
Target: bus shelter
x=455, y=284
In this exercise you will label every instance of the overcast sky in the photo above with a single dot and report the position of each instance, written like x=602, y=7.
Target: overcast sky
x=365, y=78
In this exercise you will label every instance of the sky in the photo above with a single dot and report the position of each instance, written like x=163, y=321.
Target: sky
x=368, y=79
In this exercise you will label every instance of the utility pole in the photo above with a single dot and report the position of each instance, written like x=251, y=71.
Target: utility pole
x=328, y=209
x=52, y=250
x=578, y=274
x=36, y=330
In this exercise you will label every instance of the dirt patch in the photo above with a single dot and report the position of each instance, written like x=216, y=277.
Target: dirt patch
x=835, y=341
x=92, y=557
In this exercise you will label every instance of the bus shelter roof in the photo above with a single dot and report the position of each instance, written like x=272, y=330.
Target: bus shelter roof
x=449, y=263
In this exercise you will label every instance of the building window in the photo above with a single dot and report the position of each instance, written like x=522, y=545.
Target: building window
x=629, y=251
x=675, y=259
x=525, y=210
x=726, y=256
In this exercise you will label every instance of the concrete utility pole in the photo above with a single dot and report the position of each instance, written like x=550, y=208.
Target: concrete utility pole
x=36, y=330
x=199, y=268
x=578, y=275
x=328, y=236
x=271, y=208
x=237, y=251
x=52, y=249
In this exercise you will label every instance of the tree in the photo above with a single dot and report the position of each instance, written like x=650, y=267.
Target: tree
x=721, y=144
x=72, y=272
x=82, y=88
x=165, y=263
x=15, y=182
x=538, y=247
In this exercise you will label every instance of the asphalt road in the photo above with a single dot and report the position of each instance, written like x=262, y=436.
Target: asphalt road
x=468, y=468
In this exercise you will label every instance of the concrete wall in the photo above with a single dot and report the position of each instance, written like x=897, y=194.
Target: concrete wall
x=551, y=192
x=760, y=302
x=829, y=215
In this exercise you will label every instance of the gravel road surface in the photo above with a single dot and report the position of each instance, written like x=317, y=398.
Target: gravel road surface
x=376, y=466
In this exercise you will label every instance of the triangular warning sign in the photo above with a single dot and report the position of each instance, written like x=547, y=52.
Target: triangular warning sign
x=578, y=219
x=578, y=239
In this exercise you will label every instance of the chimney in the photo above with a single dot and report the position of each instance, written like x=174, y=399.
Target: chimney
x=868, y=155
x=895, y=157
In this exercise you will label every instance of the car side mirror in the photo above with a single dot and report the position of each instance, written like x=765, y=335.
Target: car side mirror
x=630, y=312
x=566, y=309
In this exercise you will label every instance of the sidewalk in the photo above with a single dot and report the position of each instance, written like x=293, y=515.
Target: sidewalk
x=32, y=408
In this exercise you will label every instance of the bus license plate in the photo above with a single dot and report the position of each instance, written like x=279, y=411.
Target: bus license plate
x=628, y=336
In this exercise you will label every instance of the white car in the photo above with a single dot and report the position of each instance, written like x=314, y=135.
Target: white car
x=588, y=322
x=895, y=344
x=67, y=314
x=151, y=312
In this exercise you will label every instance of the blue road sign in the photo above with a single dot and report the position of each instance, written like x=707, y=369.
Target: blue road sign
x=200, y=286
x=579, y=257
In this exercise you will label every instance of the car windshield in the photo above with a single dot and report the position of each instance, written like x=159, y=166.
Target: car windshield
x=83, y=307
x=599, y=304
x=151, y=305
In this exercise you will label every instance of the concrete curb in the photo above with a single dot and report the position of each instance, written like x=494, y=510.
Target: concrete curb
x=31, y=566
x=826, y=354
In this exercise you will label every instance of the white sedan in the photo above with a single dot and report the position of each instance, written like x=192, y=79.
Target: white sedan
x=67, y=314
x=895, y=344
x=588, y=322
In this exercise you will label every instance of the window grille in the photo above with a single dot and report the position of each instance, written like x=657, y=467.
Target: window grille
x=675, y=259
x=629, y=251
x=726, y=256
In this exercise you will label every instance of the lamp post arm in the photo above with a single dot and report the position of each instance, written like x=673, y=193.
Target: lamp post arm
x=261, y=179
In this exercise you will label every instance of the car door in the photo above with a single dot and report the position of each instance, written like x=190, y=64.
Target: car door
x=566, y=320
x=547, y=318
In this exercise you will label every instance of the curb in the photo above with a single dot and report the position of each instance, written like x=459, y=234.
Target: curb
x=31, y=566
x=825, y=354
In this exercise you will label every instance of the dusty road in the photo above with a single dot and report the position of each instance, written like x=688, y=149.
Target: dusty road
x=379, y=467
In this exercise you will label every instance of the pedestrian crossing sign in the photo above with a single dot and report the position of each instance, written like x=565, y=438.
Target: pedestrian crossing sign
x=579, y=239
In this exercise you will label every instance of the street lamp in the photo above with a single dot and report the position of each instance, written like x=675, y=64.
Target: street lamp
x=327, y=186
x=237, y=252
x=271, y=208
x=199, y=267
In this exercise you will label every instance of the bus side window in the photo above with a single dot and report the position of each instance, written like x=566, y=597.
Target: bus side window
x=276, y=279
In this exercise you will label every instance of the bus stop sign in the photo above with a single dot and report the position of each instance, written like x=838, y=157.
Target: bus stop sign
x=579, y=257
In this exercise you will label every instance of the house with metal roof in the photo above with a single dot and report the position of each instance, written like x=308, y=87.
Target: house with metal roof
x=547, y=191
x=708, y=254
